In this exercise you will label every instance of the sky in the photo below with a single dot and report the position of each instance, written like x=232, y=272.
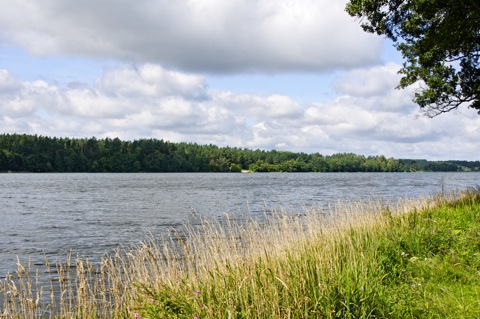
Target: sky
x=290, y=75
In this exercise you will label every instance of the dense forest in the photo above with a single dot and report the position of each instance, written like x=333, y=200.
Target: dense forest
x=33, y=153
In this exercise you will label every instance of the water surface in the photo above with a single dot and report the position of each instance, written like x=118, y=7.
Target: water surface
x=89, y=214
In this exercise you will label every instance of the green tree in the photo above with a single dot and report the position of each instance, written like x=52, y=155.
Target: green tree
x=235, y=168
x=34, y=153
x=440, y=42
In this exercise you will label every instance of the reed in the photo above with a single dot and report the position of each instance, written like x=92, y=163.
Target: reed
x=413, y=258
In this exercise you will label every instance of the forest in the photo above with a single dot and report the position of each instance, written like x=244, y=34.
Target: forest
x=33, y=153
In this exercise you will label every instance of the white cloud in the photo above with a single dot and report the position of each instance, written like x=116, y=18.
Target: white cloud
x=150, y=80
x=149, y=101
x=369, y=82
x=210, y=35
x=22, y=99
x=150, y=91
x=375, y=88
x=8, y=85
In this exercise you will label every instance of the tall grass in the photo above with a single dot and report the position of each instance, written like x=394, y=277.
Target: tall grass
x=416, y=258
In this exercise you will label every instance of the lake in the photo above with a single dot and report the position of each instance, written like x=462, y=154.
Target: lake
x=89, y=214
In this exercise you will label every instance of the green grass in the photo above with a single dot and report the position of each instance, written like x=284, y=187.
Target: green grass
x=437, y=272
x=418, y=259
x=420, y=264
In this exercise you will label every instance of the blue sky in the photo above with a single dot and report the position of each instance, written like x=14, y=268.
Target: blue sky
x=289, y=75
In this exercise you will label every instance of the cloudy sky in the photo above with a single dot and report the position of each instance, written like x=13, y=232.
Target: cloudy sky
x=294, y=75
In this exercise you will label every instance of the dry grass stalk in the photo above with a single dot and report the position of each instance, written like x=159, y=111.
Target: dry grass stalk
x=111, y=288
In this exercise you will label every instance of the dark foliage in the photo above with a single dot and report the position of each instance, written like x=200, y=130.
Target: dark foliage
x=440, y=43
x=32, y=153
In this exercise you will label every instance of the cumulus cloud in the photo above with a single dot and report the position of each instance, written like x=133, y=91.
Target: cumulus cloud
x=154, y=89
x=375, y=88
x=369, y=82
x=19, y=99
x=208, y=36
x=150, y=80
x=8, y=85
x=147, y=100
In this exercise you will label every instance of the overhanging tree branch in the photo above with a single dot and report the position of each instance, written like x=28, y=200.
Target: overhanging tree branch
x=440, y=42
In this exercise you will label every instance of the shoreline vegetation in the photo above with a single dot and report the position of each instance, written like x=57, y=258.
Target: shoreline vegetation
x=33, y=153
x=412, y=259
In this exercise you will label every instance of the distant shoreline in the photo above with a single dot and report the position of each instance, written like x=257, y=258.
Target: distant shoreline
x=32, y=153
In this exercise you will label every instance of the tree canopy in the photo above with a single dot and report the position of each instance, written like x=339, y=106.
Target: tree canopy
x=440, y=43
x=33, y=153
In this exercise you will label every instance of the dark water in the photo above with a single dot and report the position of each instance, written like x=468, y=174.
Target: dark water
x=89, y=214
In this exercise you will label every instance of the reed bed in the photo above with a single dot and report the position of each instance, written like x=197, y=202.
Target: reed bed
x=355, y=260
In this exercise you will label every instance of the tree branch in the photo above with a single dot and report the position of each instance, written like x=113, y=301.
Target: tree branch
x=476, y=5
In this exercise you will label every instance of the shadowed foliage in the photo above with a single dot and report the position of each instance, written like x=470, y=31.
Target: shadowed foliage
x=440, y=42
x=32, y=153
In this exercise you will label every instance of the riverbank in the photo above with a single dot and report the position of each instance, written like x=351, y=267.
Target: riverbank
x=363, y=260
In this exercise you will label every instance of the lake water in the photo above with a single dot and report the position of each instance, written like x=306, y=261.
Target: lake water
x=89, y=214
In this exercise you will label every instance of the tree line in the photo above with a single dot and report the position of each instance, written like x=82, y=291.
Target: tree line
x=33, y=153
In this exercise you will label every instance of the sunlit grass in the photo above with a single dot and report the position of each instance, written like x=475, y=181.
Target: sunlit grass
x=414, y=259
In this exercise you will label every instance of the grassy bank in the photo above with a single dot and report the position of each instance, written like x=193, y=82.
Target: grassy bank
x=417, y=259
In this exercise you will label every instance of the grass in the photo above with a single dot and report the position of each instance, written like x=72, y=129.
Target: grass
x=415, y=259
